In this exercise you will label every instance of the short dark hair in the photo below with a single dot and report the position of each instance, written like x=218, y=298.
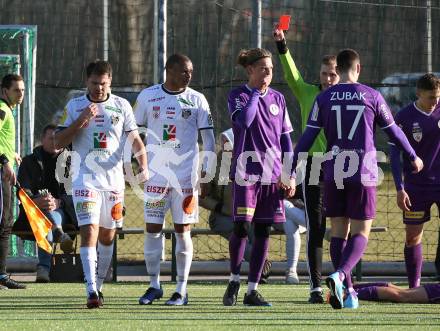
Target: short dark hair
x=346, y=59
x=328, y=59
x=428, y=82
x=99, y=67
x=176, y=58
x=247, y=57
x=48, y=127
x=9, y=78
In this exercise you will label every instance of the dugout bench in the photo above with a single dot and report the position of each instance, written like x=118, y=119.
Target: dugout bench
x=201, y=231
x=120, y=234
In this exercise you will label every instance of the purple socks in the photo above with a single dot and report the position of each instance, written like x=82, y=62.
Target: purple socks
x=337, y=246
x=260, y=248
x=237, y=247
x=351, y=255
x=413, y=262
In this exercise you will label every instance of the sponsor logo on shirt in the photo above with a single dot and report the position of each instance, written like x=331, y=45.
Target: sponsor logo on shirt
x=186, y=113
x=274, y=109
x=155, y=204
x=157, y=189
x=99, y=140
x=85, y=206
x=170, y=112
x=169, y=132
x=417, y=132
x=186, y=102
x=113, y=109
x=210, y=121
x=85, y=193
x=245, y=211
x=155, y=99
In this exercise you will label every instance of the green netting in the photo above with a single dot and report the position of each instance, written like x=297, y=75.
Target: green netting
x=19, y=45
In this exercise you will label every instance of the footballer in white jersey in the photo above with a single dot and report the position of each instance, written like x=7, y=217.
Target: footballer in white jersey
x=100, y=144
x=173, y=114
x=173, y=121
x=97, y=125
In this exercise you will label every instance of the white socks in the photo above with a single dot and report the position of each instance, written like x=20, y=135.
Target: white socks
x=105, y=254
x=88, y=260
x=153, y=246
x=234, y=278
x=251, y=286
x=184, y=254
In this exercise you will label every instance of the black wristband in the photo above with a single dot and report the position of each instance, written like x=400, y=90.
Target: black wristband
x=282, y=46
x=3, y=159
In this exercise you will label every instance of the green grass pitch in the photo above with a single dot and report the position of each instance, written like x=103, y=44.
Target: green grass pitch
x=62, y=307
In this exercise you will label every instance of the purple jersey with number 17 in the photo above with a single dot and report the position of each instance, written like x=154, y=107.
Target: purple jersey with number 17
x=348, y=113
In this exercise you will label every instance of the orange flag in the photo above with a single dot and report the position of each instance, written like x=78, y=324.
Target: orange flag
x=39, y=223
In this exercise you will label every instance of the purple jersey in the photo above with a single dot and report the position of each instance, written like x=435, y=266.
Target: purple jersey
x=348, y=113
x=423, y=132
x=258, y=147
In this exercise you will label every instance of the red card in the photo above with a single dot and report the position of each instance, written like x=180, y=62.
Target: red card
x=284, y=22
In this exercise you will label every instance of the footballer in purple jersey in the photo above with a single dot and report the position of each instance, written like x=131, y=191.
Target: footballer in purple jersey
x=348, y=112
x=420, y=121
x=388, y=292
x=262, y=129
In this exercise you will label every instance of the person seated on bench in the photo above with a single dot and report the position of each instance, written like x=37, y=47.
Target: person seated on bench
x=36, y=176
x=220, y=220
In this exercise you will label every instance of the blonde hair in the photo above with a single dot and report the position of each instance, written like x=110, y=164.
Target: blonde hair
x=247, y=57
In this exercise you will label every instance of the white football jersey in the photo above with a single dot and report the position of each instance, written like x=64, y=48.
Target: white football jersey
x=100, y=144
x=173, y=121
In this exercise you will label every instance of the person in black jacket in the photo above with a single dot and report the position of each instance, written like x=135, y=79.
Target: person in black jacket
x=36, y=176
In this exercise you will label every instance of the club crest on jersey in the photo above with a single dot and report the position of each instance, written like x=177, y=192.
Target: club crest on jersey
x=274, y=109
x=156, y=111
x=169, y=132
x=99, y=140
x=114, y=119
x=186, y=113
x=417, y=132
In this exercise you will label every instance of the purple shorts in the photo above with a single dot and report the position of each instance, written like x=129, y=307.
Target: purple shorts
x=257, y=203
x=354, y=201
x=421, y=202
x=433, y=291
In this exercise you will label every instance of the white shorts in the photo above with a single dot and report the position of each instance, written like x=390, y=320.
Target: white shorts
x=98, y=207
x=184, y=204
